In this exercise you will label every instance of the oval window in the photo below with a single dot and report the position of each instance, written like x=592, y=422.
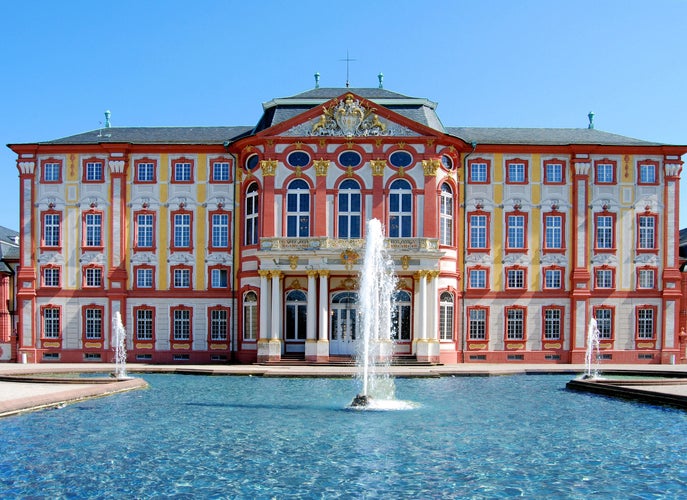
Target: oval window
x=400, y=159
x=298, y=159
x=350, y=159
x=252, y=162
x=447, y=162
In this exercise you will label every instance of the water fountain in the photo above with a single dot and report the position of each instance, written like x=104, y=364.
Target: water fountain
x=119, y=346
x=591, y=356
x=374, y=345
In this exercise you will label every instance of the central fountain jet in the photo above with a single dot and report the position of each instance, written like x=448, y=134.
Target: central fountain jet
x=374, y=346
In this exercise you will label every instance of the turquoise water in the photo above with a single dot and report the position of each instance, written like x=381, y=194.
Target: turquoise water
x=252, y=437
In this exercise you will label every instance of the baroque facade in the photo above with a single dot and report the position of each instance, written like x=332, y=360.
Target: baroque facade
x=221, y=244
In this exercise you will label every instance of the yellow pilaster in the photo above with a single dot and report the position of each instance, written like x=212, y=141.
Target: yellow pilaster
x=201, y=222
x=535, y=221
x=497, y=235
x=163, y=225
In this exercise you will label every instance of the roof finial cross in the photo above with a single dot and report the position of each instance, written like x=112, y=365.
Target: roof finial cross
x=348, y=60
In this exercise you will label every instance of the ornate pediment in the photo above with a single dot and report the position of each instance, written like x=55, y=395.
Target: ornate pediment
x=348, y=117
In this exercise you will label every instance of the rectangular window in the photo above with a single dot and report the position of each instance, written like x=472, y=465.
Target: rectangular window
x=218, y=278
x=51, y=276
x=604, y=322
x=220, y=171
x=515, y=278
x=604, y=232
x=144, y=277
x=647, y=232
x=182, y=278
x=52, y=172
x=516, y=232
x=94, y=323
x=182, y=324
x=552, y=324
x=516, y=172
x=515, y=324
x=647, y=173
x=552, y=278
x=182, y=172
x=478, y=324
x=182, y=230
x=51, y=323
x=478, y=231
x=144, y=324
x=51, y=230
x=605, y=173
x=645, y=278
x=145, y=230
x=93, y=227
x=553, y=172
x=603, y=278
x=220, y=230
x=218, y=325
x=93, y=277
x=645, y=323
x=553, y=232
x=478, y=278
x=145, y=172
x=94, y=171
x=479, y=172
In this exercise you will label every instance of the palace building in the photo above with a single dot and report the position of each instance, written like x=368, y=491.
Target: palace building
x=245, y=243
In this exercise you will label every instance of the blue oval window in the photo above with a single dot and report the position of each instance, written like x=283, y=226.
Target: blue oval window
x=350, y=159
x=252, y=162
x=447, y=162
x=400, y=159
x=298, y=159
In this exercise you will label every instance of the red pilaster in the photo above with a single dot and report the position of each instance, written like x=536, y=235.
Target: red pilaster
x=378, y=189
x=321, y=168
x=431, y=211
x=580, y=255
x=267, y=210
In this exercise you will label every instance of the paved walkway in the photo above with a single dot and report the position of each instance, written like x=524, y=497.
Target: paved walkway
x=18, y=396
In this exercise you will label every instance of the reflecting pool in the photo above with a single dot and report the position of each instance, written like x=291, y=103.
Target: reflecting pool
x=253, y=437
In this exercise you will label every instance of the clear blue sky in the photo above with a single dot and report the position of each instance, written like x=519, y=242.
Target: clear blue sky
x=527, y=63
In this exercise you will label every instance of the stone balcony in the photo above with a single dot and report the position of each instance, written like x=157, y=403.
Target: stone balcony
x=327, y=245
x=344, y=254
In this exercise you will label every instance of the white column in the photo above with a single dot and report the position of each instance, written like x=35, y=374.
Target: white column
x=324, y=306
x=423, y=304
x=433, y=301
x=312, y=306
x=276, y=305
x=264, y=304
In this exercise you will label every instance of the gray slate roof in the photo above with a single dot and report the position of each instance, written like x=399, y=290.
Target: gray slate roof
x=9, y=247
x=156, y=135
x=543, y=136
x=419, y=110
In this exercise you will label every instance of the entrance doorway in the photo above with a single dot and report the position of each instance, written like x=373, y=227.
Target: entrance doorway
x=344, y=325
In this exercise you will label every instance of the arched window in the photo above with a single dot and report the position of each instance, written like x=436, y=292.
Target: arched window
x=349, y=209
x=251, y=229
x=250, y=316
x=298, y=209
x=446, y=215
x=296, y=315
x=400, y=323
x=400, y=209
x=446, y=316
